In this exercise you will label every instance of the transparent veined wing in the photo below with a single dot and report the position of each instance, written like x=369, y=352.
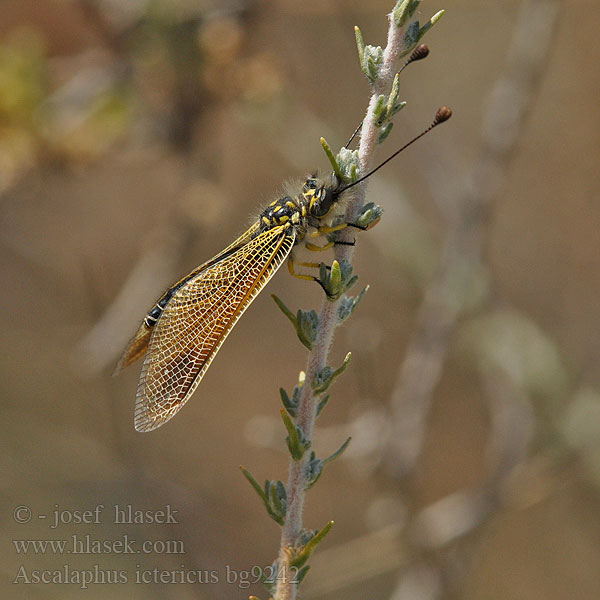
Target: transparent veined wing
x=198, y=318
x=138, y=345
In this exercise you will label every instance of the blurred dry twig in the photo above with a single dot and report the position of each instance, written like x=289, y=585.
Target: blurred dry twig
x=462, y=260
x=512, y=425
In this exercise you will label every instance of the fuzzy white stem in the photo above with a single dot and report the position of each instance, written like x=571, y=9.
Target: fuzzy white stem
x=317, y=360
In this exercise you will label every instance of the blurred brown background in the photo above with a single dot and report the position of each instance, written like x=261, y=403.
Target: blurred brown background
x=137, y=138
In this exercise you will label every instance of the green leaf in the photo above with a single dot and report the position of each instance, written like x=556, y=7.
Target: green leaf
x=314, y=469
x=263, y=495
x=348, y=304
x=326, y=376
x=414, y=32
x=348, y=163
x=290, y=404
x=385, y=131
x=337, y=453
x=404, y=10
x=411, y=36
x=305, y=323
x=380, y=112
x=360, y=45
x=307, y=327
x=438, y=15
x=398, y=107
x=369, y=215
x=372, y=59
x=322, y=405
x=334, y=164
x=296, y=441
x=335, y=277
x=305, y=552
x=392, y=100
x=316, y=466
x=278, y=497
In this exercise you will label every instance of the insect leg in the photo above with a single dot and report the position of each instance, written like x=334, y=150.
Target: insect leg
x=292, y=271
x=325, y=229
x=363, y=227
x=307, y=277
x=317, y=248
x=311, y=265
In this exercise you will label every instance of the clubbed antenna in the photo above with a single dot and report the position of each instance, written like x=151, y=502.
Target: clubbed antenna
x=419, y=53
x=443, y=114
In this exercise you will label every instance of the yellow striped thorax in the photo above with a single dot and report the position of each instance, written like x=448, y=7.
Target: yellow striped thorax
x=307, y=209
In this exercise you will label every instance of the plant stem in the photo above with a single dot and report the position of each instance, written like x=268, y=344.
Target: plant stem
x=318, y=357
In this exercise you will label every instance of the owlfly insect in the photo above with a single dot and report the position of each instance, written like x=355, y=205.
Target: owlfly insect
x=187, y=326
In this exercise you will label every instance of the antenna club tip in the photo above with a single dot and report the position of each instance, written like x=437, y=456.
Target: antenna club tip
x=420, y=52
x=443, y=114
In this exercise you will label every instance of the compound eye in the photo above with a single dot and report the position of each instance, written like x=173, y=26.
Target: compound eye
x=327, y=199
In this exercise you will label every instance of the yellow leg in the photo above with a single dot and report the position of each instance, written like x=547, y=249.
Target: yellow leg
x=298, y=275
x=316, y=248
x=307, y=277
x=310, y=264
x=324, y=230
